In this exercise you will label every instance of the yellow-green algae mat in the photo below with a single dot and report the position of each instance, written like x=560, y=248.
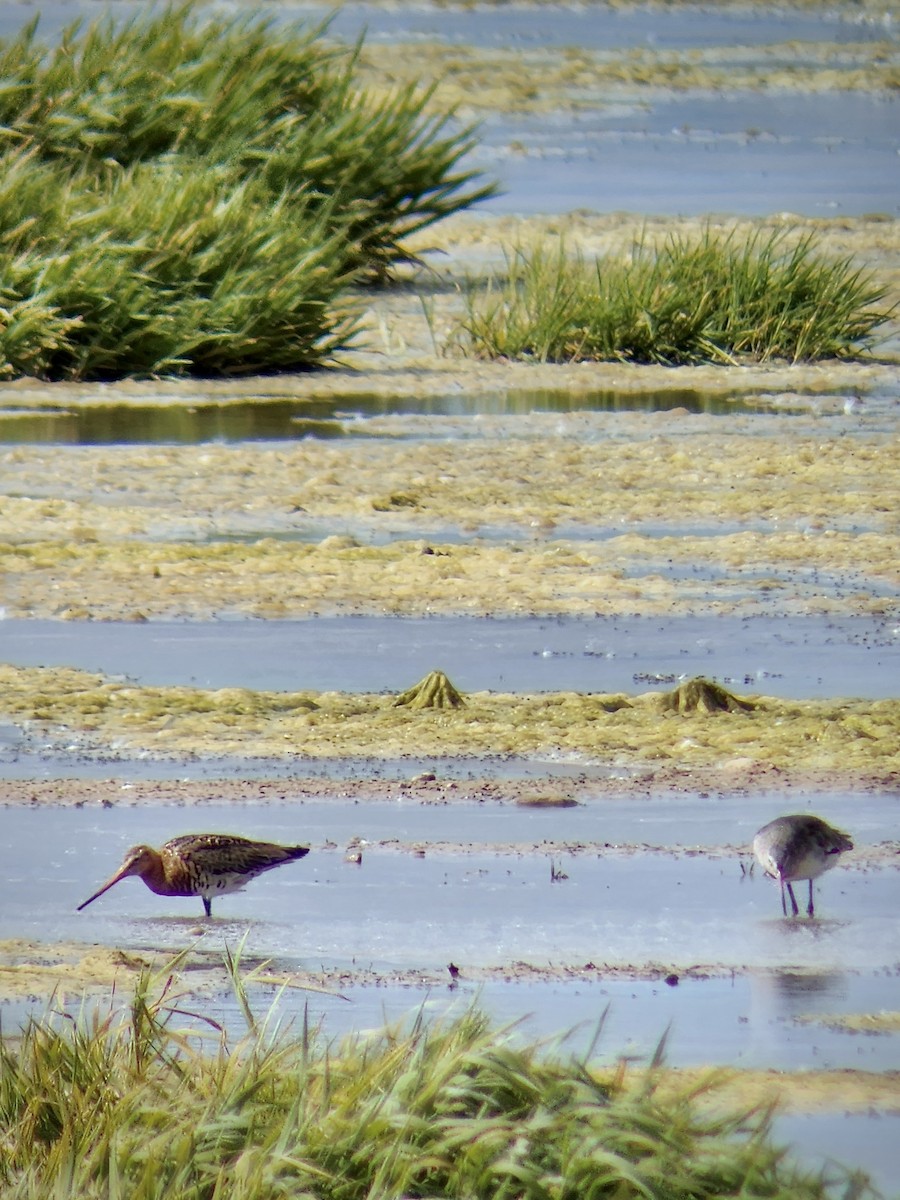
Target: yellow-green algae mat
x=205, y=531
x=277, y=580
x=815, y=735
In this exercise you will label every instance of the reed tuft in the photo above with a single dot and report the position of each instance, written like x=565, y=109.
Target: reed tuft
x=712, y=299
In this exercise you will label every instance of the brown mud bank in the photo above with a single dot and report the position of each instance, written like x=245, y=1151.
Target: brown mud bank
x=43, y=968
x=738, y=777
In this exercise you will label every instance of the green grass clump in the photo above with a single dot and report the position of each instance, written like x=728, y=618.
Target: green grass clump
x=712, y=299
x=130, y=1106
x=191, y=196
x=160, y=271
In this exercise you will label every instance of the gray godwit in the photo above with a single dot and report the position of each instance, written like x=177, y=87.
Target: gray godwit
x=798, y=847
x=201, y=864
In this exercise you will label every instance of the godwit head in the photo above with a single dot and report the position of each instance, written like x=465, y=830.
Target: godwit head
x=200, y=864
x=799, y=846
x=139, y=860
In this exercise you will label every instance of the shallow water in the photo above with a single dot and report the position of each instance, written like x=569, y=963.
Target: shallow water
x=683, y=822
x=753, y=990
x=486, y=903
x=757, y=1021
x=869, y=1140
x=742, y=154
x=271, y=417
x=748, y=153
x=800, y=657
x=589, y=26
x=592, y=27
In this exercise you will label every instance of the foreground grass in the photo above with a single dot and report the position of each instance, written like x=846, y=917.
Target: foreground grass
x=187, y=196
x=164, y=270
x=688, y=300
x=131, y=1105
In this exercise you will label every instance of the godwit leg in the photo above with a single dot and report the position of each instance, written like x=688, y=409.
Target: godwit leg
x=207, y=905
x=809, y=908
x=796, y=910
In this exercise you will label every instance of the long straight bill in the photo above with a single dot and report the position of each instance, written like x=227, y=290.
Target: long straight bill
x=120, y=874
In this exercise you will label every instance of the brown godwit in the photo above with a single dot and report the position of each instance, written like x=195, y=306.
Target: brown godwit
x=201, y=864
x=799, y=846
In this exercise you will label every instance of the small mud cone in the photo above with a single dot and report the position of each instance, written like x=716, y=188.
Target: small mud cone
x=700, y=695
x=434, y=691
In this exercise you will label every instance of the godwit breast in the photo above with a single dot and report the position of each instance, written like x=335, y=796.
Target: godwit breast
x=798, y=847
x=201, y=864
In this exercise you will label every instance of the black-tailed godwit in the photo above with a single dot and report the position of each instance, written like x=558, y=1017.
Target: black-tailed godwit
x=799, y=846
x=201, y=864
